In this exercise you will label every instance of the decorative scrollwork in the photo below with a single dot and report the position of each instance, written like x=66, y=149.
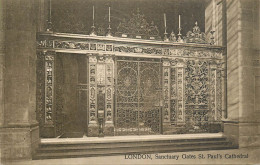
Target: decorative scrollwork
x=45, y=43
x=173, y=95
x=137, y=27
x=138, y=97
x=196, y=82
x=126, y=48
x=196, y=91
x=173, y=37
x=196, y=36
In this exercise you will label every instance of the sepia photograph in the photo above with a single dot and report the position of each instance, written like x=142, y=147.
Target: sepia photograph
x=86, y=82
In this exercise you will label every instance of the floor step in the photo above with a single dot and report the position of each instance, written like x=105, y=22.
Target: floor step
x=89, y=147
x=111, y=145
x=118, y=151
x=104, y=142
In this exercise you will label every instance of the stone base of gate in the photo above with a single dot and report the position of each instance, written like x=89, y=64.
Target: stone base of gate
x=93, y=130
x=231, y=131
x=215, y=127
x=242, y=134
x=169, y=128
x=47, y=131
x=109, y=129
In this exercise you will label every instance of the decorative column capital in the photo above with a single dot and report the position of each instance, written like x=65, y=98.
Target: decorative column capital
x=166, y=62
x=174, y=62
x=213, y=64
x=92, y=58
x=180, y=63
x=109, y=58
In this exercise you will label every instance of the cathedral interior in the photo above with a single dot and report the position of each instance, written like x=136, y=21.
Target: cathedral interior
x=96, y=69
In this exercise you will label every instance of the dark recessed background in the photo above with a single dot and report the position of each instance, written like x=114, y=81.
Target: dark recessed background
x=75, y=16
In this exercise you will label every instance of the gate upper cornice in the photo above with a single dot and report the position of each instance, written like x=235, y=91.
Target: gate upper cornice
x=83, y=44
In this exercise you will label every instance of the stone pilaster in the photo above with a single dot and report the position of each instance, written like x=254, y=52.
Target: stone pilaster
x=173, y=92
x=166, y=95
x=215, y=94
x=213, y=91
x=109, y=96
x=93, y=124
x=47, y=107
x=180, y=93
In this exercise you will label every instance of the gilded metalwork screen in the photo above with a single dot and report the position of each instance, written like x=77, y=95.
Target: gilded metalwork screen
x=138, y=98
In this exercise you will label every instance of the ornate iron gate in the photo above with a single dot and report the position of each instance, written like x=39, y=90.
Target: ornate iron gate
x=138, y=97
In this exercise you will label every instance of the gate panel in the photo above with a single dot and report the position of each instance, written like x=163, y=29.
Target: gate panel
x=149, y=98
x=127, y=98
x=138, y=98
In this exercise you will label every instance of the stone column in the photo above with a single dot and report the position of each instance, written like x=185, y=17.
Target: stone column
x=2, y=70
x=20, y=133
x=42, y=14
x=2, y=60
x=248, y=48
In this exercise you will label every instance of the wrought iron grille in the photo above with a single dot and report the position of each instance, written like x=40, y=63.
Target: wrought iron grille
x=138, y=90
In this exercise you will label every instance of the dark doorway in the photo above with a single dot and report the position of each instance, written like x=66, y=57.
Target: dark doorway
x=71, y=94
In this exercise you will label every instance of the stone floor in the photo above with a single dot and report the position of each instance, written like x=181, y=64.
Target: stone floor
x=210, y=157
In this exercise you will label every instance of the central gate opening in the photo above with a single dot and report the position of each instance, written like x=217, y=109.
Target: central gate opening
x=138, y=97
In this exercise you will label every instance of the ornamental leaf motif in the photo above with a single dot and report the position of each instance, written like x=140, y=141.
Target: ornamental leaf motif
x=137, y=26
x=196, y=36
